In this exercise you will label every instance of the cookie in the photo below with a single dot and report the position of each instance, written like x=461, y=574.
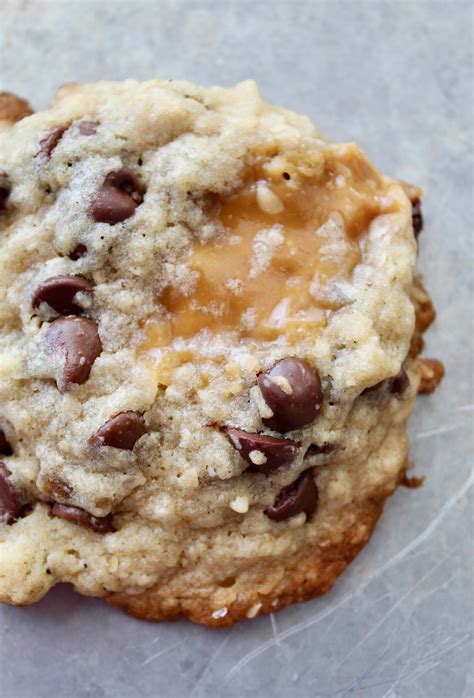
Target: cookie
x=12, y=109
x=209, y=329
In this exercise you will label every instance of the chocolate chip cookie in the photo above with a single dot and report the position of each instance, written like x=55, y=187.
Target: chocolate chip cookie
x=209, y=339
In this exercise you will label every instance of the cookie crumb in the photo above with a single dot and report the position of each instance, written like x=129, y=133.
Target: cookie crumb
x=283, y=383
x=413, y=482
x=240, y=504
x=252, y=612
x=257, y=457
x=297, y=521
x=189, y=479
x=267, y=200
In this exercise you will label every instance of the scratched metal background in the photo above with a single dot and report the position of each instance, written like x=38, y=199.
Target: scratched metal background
x=395, y=76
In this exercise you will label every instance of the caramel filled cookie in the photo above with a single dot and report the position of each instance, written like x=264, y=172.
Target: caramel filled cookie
x=209, y=328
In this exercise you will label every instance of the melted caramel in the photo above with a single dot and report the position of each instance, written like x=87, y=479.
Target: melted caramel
x=263, y=285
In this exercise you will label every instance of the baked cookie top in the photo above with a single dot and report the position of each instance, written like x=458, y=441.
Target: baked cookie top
x=196, y=288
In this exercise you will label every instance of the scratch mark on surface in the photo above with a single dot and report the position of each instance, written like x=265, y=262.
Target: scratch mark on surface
x=357, y=684
x=415, y=543
x=465, y=408
x=406, y=674
x=163, y=651
x=435, y=656
x=283, y=635
x=423, y=664
x=446, y=645
x=416, y=666
x=397, y=680
x=274, y=629
x=248, y=658
x=421, y=671
x=209, y=664
x=426, y=639
x=440, y=430
x=395, y=606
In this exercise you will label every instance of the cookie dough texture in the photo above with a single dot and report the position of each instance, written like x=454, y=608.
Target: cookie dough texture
x=190, y=536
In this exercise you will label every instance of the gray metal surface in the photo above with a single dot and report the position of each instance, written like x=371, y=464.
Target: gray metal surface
x=395, y=76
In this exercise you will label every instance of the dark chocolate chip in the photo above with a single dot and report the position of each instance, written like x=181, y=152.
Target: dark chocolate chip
x=10, y=500
x=5, y=448
x=301, y=495
x=50, y=140
x=278, y=452
x=5, y=189
x=118, y=197
x=59, y=293
x=295, y=410
x=121, y=431
x=78, y=339
x=416, y=217
x=399, y=384
x=101, y=524
x=78, y=252
x=87, y=128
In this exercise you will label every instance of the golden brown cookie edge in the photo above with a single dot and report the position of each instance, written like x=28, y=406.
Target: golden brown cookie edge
x=307, y=576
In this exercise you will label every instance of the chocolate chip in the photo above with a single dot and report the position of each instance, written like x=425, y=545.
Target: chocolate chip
x=118, y=197
x=59, y=293
x=399, y=384
x=121, y=431
x=301, y=495
x=50, y=140
x=10, y=500
x=416, y=217
x=276, y=452
x=78, y=339
x=101, y=524
x=5, y=448
x=87, y=128
x=298, y=404
x=5, y=189
x=78, y=252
